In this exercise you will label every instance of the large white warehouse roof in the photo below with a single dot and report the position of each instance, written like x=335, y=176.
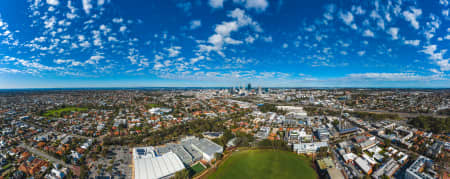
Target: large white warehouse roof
x=157, y=167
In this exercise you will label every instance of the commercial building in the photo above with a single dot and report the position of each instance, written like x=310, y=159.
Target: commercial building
x=388, y=169
x=363, y=165
x=421, y=168
x=309, y=148
x=207, y=148
x=325, y=163
x=163, y=166
x=334, y=173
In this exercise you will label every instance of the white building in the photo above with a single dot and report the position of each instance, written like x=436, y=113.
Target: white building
x=420, y=169
x=363, y=165
x=163, y=166
x=308, y=148
x=206, y=147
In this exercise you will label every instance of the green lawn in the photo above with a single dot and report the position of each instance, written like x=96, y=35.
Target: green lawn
x=197, y=168
x=265, y=164
x=57, y=112
x=6, y=166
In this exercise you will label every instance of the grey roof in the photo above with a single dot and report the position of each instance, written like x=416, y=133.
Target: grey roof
x=178, y=149
x=204, y=145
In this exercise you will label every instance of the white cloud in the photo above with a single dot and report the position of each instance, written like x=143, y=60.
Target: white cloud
x=71, y=62
x=412, y=15
x=87, y=6
x=100, y=2
x=437, y=57
x=85, y=44
x=267, y=39
x=94, y=60
x=368, y=33
x=258, y=5
x=435, y=71
x=10, y=70
x=53, y=2
x=216, y=3
x=412, y=42
x=429, y=49
x=358, y=10
x=444, y=65
x=158, y=66
x=117, y=20
x=174, y=51
x=361, y=53
x=249, y=39
x=123, y=28
x=196, y=59
x=346, y=17
x=223, y=32
x=232, y=41
x=194, y=24
x=393, y=31
x=50, y=22
x=330, y=9
x=285, y=45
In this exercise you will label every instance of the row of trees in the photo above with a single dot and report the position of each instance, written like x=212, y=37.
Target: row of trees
x=375, y=116
x=429, y=123
x=270, y=108
x=165, y=135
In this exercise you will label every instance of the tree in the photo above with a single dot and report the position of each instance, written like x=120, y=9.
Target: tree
x=218, y=156
x=183, y=174
x=357, y=150
x=387, y=142
x=109, y=169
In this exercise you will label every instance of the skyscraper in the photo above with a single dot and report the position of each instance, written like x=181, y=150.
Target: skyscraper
x=249, y=87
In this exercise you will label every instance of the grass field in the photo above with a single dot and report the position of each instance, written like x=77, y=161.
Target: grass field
x=265, y=164
x=197, y=168
x=57, y=112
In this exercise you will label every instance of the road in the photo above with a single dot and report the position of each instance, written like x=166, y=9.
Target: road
x=44, y=155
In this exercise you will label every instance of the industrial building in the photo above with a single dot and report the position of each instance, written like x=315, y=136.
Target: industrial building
x=147, y=164
x=421, y=168
x=363, y=165
x=388, y=169
x=207, y=148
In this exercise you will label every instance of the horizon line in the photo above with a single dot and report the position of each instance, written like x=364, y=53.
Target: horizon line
x=137, y=87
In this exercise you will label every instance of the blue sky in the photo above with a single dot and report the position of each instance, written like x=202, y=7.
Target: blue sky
x=285, y=43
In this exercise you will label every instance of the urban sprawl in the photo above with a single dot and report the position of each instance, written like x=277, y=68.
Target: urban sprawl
x=188, y=133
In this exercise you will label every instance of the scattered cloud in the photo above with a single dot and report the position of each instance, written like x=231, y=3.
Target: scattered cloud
x=258, y=5
x=412, y=15
x=368, y=33
x=216, y=3
x=53, y=2
x=393, y=31
x=194, y=24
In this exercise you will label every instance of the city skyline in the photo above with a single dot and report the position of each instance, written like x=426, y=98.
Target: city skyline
x=224, y=43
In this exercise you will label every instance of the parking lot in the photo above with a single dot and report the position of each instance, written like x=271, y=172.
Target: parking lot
x=118, y=158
